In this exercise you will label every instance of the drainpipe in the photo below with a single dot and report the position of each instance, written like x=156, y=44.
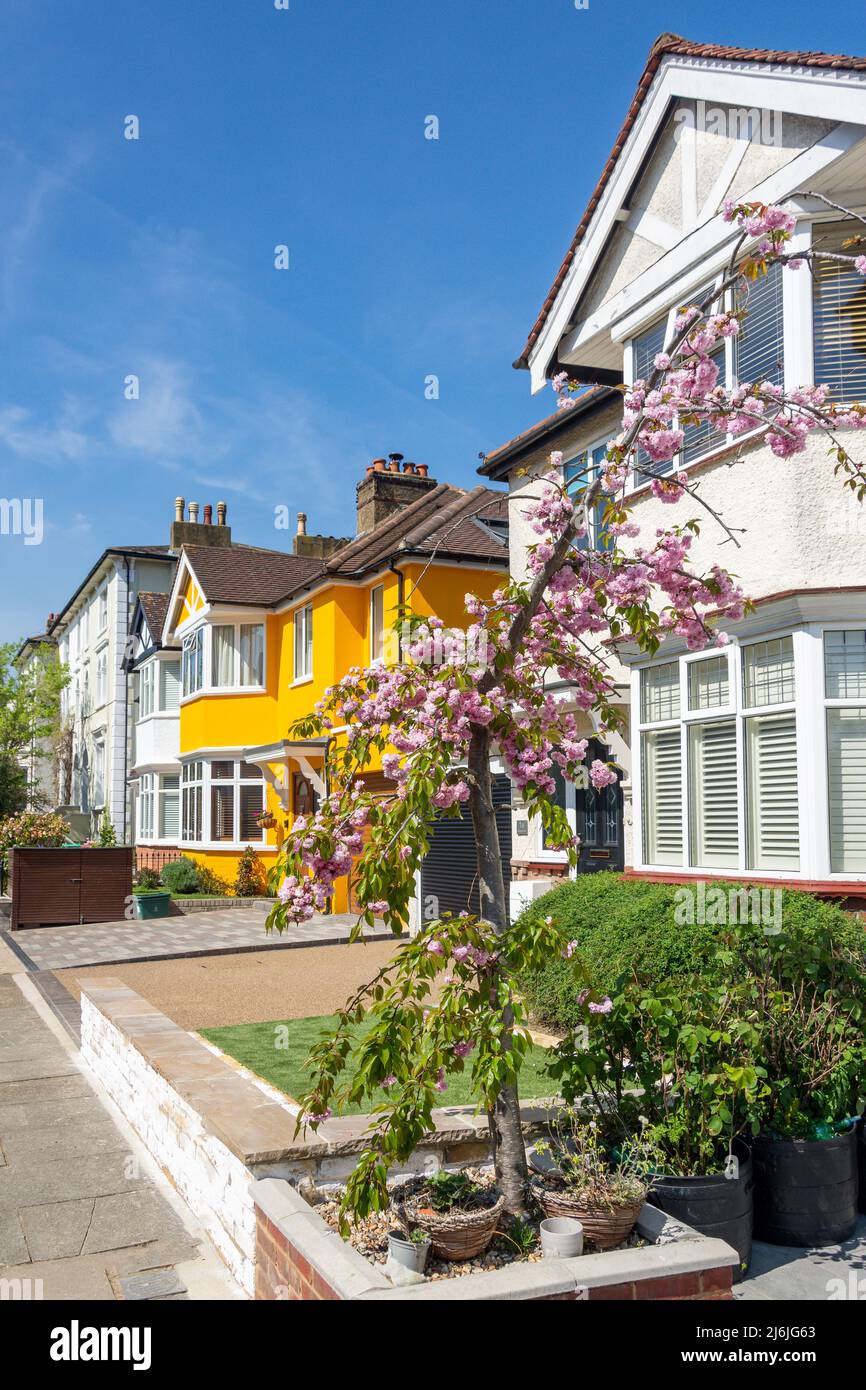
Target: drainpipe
x=401, y=596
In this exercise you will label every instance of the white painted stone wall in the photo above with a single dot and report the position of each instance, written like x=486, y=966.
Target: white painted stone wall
x=214, y=1183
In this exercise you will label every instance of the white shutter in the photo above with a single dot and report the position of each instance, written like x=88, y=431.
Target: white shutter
x=713, y=795
x=662, y=797
x=169, y=685
x=846, y=771
x=771, y=804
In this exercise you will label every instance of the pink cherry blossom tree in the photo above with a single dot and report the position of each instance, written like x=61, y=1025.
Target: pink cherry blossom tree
x=457, y=698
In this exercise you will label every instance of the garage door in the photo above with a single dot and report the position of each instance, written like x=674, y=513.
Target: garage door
x=449, y=874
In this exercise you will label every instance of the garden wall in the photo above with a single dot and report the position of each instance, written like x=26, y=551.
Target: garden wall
x=230, y=1149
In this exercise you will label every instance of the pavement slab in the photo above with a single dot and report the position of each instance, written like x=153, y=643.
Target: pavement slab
x=79, y=1211
x=829, y=1273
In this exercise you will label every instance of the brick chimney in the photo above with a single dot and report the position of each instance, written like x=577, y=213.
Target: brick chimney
x=315, y=547
x=390, y=485
x=195, y=532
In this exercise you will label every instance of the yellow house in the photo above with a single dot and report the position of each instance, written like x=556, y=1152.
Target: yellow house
x=263, y=633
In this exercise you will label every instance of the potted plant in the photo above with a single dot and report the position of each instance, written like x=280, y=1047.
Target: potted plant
x=266, y=819
x=808, y=992
x=150, y=898
x=410, y=1249
x=581, y=1178
x=460, y=1216
x=671, y=1071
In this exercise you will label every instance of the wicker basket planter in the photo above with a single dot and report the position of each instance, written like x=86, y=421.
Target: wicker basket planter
x=455, y=1234
x=606, y=1227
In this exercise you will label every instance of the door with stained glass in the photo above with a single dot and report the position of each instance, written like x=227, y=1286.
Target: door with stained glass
x=599, y=818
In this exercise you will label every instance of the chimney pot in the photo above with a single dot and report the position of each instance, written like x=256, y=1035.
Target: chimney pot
x=394, y=466
x=208, y=514
x=409, y=468
x=421, y=470
x=221, y=513
x=302, y=523
x=178, y=508
x=378, y=465
x=193, y=511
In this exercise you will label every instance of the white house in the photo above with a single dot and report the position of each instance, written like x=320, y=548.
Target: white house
x=747, y=762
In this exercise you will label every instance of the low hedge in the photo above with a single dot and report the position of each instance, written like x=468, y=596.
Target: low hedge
x=634, y=926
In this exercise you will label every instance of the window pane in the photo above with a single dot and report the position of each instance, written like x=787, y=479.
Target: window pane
x=579, y=473
x=768, y=672
x=222, y=813
x=219, y=771
x=377, y=623
x=303, y=642
x=645, y=349
x=839, y=317
x=771, y=792
x=558, y=799
x=759, y=346
x=662, y=797
x=713, y=795
x=708, y=683
x=846, y=772
x=251, y=803
x=699, y=439
x=252, y=654
x=250, y=770
x=169, y=809
x=845, y=665
x=660, y=693
x=223, y=655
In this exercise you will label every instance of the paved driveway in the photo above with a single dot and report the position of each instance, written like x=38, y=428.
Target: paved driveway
x=199, y=934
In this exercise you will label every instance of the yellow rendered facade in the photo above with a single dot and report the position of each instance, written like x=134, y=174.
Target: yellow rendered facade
x=214, y=724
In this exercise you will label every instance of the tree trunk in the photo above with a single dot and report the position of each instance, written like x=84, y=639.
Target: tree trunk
x=509, y=1152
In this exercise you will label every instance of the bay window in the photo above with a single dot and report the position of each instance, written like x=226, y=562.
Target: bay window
x=145, y=691
x=158, y=806
x=222, y=798
x=224, y=656
x=719, y=766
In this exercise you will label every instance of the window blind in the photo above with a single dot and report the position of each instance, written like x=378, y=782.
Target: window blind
x=645, y=349
x=846, y=775
x=169, y=819
x=662, y=797
x=713, y=795
x=169, y=685
x=700, y=438
x=845, y=665
x=839, y=316
x=768, y=672
x=759, y=346
x=771, y=792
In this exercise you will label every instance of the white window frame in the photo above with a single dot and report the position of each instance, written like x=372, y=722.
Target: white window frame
x=377, y=657
x=208, y=686
x=102, y=609
x=207, y=783
x=596, y=469
x=736, y=709
x=302, y=637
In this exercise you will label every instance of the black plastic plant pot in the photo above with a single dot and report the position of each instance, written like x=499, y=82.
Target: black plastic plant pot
x=805, y=1190
x=861, y=1161
x=714, y=1205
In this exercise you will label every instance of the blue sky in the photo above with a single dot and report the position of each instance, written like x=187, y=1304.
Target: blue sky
x=408, y=257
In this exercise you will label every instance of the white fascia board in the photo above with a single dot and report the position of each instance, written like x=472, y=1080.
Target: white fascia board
x=824, y=93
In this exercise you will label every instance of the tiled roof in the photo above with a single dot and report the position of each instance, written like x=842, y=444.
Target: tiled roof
x=154, y=607
x=671, y=44
x=494, y=462
x=246, y=574
x=440, y=520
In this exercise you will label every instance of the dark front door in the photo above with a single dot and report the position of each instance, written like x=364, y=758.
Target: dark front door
x=449, y=873
x=599, y=819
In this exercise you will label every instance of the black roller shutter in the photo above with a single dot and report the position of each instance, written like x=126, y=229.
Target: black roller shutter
x=449, y=874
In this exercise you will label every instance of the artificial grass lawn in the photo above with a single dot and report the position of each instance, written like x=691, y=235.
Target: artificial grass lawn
x=254, y=1045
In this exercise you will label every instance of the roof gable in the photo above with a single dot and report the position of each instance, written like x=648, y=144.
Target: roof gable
x=632, y=221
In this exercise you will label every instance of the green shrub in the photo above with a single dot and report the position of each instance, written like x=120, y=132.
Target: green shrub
x=250, y=881
x=181, y=876
x=148, y=879
x=211, y=883
x=635, y=927
x=107, y=837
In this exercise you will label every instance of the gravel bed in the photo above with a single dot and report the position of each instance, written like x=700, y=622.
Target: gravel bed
x=370, y=1237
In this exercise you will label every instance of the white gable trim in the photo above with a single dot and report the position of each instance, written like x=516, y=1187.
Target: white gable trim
x=835, y=94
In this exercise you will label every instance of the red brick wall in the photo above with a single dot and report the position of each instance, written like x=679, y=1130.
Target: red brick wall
x=281, y=1272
